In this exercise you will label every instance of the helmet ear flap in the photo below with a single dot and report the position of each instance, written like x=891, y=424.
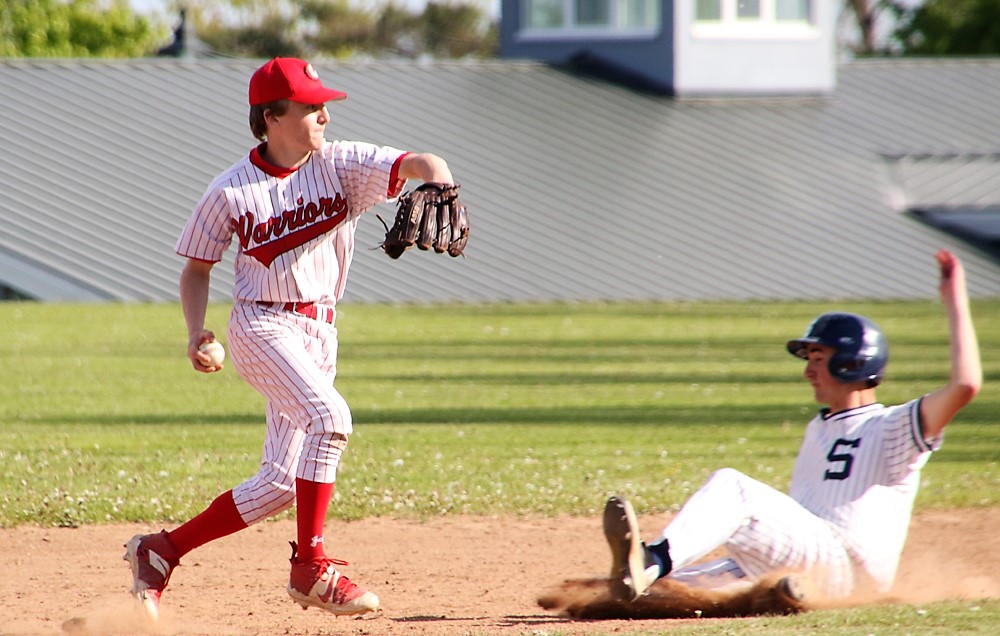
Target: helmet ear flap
x=847, y=365
x=855, y=369
x=861, y=351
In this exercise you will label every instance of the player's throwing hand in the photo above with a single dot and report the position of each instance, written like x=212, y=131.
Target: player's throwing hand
x=200, y=360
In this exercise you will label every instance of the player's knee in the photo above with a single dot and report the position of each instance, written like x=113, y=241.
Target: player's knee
x=320, y=457
x=336, y=416
x=726, y=476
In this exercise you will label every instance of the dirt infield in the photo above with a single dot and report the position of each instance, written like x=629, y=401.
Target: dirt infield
x=451, y=576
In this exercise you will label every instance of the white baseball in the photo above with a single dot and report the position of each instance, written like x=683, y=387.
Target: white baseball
x=215, y=351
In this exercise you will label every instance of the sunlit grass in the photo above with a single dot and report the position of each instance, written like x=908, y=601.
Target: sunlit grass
x=486, y=409
x=979, y=617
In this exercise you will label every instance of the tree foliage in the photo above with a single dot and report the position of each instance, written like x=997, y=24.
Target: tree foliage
x=456, y=31
x=247, y=28
x=951, y=27
x=866, y=16
x=73, y=28
x=269, y=33
x=342, y=28
x=930, y=28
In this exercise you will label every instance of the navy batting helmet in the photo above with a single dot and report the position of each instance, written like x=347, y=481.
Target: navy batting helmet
x=861, y=349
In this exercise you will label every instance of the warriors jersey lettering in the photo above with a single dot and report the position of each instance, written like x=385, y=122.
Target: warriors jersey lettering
x=294, y=228
x=860, y=470
x=286, y=230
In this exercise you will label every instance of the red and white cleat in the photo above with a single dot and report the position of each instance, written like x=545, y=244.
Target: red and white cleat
x=317, y=583
x=152, y=559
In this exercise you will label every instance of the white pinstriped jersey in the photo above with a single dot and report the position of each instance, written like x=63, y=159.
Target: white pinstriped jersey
x=294, y=229
x=860, y=470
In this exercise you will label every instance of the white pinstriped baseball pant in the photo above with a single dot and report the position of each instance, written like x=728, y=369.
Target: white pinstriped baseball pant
x=292, y=361
x=764, y=530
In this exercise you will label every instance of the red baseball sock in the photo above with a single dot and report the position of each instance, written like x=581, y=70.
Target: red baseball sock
x=220, y=519
x=312, y=501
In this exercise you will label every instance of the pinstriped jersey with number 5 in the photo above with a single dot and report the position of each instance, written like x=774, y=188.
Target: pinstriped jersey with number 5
x=860, y=470
x=294, y=228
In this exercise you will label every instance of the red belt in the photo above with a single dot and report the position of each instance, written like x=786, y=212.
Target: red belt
x=309, y=310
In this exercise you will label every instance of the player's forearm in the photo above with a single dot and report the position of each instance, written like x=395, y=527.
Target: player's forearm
x=940, y=407
x=966, y=366
x=966, y=377
x=194, y=286
x=426, y=167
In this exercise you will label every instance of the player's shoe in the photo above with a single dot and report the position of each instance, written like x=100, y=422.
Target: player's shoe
x=317, y=583
x=633, y=568
x=152, y=558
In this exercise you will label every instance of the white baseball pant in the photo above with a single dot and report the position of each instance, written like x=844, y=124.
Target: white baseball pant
x=764, y=531
x=292, y=361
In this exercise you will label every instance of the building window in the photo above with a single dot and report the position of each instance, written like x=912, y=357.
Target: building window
x=792, y=11
x=743, y=11
x=593, y=12
x=748, y=9
x=589, y=16
x=706, y=10
x=545, y=14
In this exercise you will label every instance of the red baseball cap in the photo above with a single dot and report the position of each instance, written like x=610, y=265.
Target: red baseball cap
x=290, y=78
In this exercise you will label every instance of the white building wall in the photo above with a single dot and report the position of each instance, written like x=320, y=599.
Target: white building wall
x=754, y=58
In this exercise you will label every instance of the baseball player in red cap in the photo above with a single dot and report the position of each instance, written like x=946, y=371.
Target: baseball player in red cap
x=293, y=205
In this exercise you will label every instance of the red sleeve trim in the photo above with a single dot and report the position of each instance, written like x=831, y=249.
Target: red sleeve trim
x=395, y=183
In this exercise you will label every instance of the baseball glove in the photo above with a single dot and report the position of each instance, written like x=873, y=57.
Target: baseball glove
x=431, y=216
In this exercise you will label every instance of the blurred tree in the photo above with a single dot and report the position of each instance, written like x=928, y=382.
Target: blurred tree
x=950, y=27
x=866, y=17
x=457, y=31
x=398, y=31
x=74, y=28
x=342, y=28
x=248, y=28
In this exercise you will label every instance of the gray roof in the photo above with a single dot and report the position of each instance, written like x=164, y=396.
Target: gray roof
x=577, y=189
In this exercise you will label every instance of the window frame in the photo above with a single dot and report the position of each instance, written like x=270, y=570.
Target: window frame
x=767, y=26
x=569, y=30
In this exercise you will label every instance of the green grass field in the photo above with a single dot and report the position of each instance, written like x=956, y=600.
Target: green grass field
x=494, y=409
x=503, y=409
